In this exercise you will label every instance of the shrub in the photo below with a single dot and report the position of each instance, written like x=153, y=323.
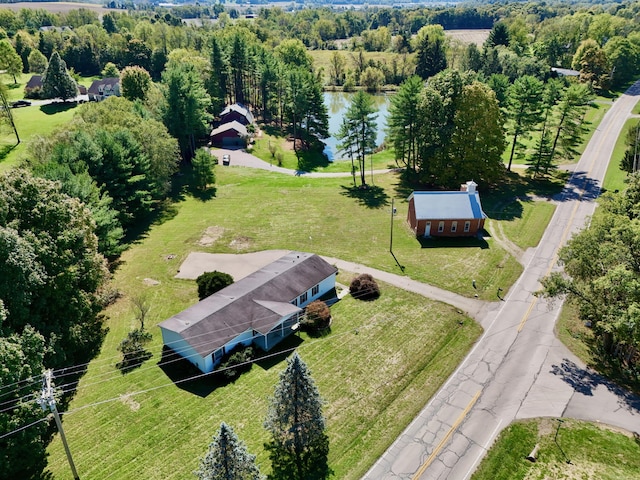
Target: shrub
x=133, y=351
x=241, y=356
x=212, y=282
x=364, y=287
x=317, y=316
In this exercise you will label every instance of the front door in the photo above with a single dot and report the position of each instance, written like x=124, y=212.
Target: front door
x=427, y=229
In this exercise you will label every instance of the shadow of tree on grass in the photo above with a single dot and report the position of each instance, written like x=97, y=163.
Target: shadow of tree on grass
x=370, y=196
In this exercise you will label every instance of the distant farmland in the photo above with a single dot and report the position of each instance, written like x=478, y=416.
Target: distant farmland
x=468, y=36
x=55, y=7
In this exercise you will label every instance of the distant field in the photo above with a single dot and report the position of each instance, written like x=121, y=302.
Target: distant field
x=54, y=7
x=468, y=36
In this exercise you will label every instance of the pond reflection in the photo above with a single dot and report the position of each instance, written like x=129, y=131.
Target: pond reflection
x=337, y=104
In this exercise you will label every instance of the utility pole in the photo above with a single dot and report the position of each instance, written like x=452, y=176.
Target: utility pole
x=47, y=399
x=391, y=235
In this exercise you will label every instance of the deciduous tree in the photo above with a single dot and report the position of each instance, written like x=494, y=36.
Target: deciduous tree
x=135, y=83
x=10, y=61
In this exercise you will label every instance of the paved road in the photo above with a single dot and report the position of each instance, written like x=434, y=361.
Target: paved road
x=518, y=369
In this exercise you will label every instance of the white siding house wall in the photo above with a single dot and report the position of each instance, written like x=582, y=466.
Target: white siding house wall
x=323, y=287
x=179, y=345
x=276, y=334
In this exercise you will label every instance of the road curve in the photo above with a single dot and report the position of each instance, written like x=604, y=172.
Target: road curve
x=518, y=369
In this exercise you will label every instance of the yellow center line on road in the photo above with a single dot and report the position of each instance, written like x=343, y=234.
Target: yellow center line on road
x=446, y=438
x=565, y=233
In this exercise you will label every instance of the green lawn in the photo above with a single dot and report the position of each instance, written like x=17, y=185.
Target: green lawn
x=595, y=452
x=31, y=121
x=322, y=59
x=615, y=177
x=312, y=161
x=377, y=368
x=592, y=119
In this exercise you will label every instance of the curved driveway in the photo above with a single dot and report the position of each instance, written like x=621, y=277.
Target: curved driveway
x=518, y=369
x=243, y=159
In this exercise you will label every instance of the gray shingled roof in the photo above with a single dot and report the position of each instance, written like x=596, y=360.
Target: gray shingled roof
x=241, y=109
x=95, y=86
x=235, y=125
x=256, y=302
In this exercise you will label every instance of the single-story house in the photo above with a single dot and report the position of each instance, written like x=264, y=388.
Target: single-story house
x=33, y=86
x=447, y=213
x=104, y=88
x=238, y=113
x=261, y=309
x=228, y=134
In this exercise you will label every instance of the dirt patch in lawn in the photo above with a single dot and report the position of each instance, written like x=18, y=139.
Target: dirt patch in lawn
x=210, y=236
x=128, y=400
x=241, y=243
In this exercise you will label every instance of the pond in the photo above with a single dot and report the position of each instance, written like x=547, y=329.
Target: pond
x=337, y=105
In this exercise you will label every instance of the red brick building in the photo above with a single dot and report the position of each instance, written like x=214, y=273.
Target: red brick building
x=447, y=214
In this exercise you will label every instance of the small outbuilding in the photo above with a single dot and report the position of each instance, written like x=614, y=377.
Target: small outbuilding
x=229, y=134
x=447, y=213
x=260, y=309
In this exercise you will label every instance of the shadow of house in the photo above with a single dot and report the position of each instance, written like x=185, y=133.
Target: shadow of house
x=261, y=309
x=447, y=213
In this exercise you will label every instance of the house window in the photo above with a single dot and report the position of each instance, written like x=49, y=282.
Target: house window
x=467, y=226
x=303, y=298
x=295, y=302
x=315, y=290
x=454, y=227
x=440, y=227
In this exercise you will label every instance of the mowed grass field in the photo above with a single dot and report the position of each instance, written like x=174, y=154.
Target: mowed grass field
x=381, y=363
x=595, y=452
x=377, y=369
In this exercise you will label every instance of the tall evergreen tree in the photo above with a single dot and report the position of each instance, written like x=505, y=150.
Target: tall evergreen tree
x=227, y=459
x=299, y=445
x=524, y=107
x=432, y=57
x=56, y=81
x=361, y=126
x=541, y=160
x=185, y=111
x=217, y=84
x=402, y=124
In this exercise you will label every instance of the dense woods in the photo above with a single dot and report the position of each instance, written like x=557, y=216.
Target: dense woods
x=88, y=189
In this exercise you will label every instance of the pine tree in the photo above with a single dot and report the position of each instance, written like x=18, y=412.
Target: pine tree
x=359, y=132
x=299, y=446
x=56, y=81
x=227, y=459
